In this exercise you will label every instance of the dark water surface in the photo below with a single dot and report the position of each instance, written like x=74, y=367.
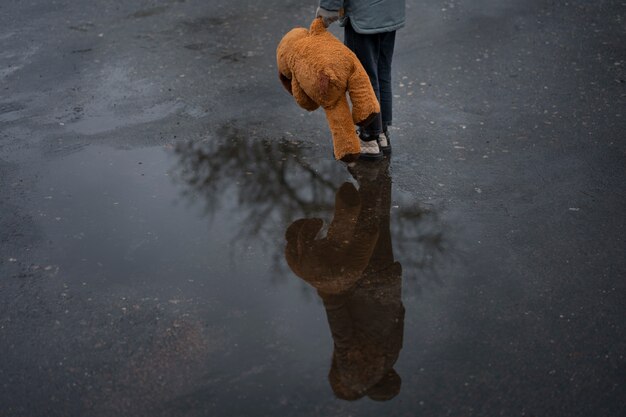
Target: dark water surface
x=165, y=285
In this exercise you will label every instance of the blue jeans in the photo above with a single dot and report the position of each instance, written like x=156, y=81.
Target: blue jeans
x=375, y=52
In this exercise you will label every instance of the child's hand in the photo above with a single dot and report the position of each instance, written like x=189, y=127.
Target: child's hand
x=328, y=16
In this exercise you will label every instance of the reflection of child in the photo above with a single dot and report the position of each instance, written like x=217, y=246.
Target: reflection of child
x=367, y=325
x=360, y=283
x=367, y=321
x=370, y=32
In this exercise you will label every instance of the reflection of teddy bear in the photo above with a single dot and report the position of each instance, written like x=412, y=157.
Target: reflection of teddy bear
x=317, y=69
x=336, y=262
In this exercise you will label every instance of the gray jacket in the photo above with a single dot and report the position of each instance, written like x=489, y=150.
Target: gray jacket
x=369, y=16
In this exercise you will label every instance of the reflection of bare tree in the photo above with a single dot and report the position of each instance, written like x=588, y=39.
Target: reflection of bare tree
x=272, y=182
x=269, y=176
x=419, y=238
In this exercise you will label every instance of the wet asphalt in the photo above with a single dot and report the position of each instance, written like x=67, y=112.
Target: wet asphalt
x=154, y=176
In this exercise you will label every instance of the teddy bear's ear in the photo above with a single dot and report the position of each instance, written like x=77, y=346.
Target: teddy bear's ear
x=317, y=26
x=286, y=82
x=323, y=83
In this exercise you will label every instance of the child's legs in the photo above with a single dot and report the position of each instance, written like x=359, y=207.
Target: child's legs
x=367, y=50
x=387, y=42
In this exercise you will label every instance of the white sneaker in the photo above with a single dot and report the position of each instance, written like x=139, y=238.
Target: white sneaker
x=384, y=144
x=370, y=150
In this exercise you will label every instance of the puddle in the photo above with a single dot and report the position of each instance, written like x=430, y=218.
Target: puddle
x=242, y=276
x=119, y=99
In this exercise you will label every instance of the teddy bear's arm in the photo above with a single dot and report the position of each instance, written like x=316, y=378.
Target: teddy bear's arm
x=301, y=97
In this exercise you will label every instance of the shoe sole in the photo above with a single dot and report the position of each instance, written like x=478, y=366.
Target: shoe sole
x=371, y=156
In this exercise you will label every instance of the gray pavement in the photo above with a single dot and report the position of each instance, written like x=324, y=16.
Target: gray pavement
x=150, y=165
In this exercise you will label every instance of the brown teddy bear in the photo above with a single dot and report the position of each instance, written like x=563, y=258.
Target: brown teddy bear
x=317, y=69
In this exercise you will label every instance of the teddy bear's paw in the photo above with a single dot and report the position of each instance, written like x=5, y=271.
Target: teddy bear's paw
x=350, y=158
x=367, y=120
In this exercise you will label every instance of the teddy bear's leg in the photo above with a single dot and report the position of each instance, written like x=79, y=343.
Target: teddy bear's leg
x=365, y=105
x=345, y=141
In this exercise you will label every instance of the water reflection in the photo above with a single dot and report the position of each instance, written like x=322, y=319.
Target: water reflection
x=268, y=182
x=260, y=186
x=262, y=181
x=360, y=283
x=272, y=177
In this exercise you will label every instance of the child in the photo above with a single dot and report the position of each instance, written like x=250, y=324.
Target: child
x=370, y=32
